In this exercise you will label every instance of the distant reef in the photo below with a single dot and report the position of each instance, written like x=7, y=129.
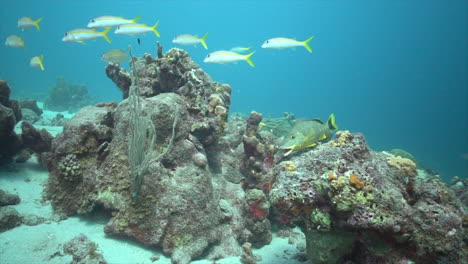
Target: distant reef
x=65, y=96
x=173, y=173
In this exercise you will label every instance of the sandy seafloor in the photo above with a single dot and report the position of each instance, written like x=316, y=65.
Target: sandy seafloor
x=36, y=244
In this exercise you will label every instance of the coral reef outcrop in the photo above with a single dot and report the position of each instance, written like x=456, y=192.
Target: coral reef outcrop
x=363, y=206
x=176, y=203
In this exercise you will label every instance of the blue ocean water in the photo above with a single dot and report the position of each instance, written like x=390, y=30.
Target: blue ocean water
x=396, y=71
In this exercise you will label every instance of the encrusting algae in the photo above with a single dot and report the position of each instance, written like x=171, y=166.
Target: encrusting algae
x=354, y=180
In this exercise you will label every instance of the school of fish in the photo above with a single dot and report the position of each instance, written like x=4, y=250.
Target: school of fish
x=131, y=27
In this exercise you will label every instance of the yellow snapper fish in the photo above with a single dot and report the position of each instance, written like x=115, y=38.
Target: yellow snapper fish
x=187, y=39
x=14, y=41
x=37, y=62
x=225, y=56
x=284, y=43
x=114, y=56
x=134, y=29
x=27, y=22
x=240, y=50
x=110, y=21
x=81, y=34
x=307, y=133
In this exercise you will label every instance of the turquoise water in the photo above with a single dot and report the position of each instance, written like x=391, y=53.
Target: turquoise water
x=394, y=70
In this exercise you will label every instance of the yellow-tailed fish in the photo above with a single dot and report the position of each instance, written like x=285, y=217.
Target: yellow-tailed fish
x=240, y=50
x=284, y=43
x=82, y=34
x=37, y=62
x=187, y=39
x=225, y=56
x=14, y=41
x=134, y=29
x=307, y=133
x=27, y=22
x=110, y=21
x=114, y=56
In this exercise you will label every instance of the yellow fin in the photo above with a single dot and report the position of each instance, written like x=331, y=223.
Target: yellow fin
x=306, y=44
x=41, y=64
x=249, y=61
x=104, y=34
x=155, y=30
x=203, y=40
x=136, y=19
x=36, y=23
x=332, y=122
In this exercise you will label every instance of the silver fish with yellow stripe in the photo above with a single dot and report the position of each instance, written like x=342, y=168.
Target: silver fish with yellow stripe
x=307, y=133
x=37, y=62
x=27, y=22
x=284, y=43
x=225, y=56
x=187, y=39
x=114, y=56
x=14, y=41
x=110, y=21
x=81, y=34
x=135, y=29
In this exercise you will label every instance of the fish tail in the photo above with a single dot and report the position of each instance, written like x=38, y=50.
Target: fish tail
x=249, y=61
x=36, y=23
x=203, y=40
x=136, y=19
x=104, y=34
x=331, y=122
x=306, y=44
x=155, y=30
x=41, y=64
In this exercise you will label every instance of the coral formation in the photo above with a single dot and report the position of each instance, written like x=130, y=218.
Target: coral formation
x=64, y=96
x=348, y=199
x=83, y=251
x=176, y=206
x=406, y=166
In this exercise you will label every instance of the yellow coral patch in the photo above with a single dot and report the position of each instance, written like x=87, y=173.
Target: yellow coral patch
x=289, y=166
x=354, y=180
x=332, y=176
x=407, y=167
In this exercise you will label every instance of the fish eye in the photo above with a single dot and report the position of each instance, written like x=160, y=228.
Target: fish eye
x=208, y=56
x=293, y=137
x=66, y=33
x=267, y=41
x=92, y=21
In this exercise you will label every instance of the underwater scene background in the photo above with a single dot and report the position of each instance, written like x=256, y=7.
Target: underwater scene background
x=394, y=70
x=177, y=149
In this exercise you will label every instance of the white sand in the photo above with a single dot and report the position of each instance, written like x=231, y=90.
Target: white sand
x=36, y=244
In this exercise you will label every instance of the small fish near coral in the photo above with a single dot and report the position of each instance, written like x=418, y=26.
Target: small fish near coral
x=307, y=133
x=37, y=62
x=225, y=56
x=81, y=34
x=114, y=56
x=284, y=43
x=27, y=23
x=188, y=40
x=14, y=41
